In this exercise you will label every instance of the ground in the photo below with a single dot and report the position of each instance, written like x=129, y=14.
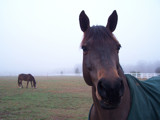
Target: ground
x=56, y=98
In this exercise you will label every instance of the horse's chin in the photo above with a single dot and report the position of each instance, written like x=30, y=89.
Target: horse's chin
x=105, y=104
x=108, y=106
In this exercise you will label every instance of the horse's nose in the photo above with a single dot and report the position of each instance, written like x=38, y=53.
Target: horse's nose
x=110, y=90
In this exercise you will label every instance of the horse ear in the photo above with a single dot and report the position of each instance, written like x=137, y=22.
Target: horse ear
x=112, y=21
x=84, y=21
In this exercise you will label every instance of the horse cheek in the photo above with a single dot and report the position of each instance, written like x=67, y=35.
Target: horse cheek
x=87, y=77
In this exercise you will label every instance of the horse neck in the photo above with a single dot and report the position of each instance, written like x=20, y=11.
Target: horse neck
x=120, y=113
x=34, y=81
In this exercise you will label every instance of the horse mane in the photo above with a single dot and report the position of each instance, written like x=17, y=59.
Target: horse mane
x=98, y=33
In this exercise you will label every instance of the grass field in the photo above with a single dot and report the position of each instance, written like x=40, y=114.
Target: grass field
x=56, y=98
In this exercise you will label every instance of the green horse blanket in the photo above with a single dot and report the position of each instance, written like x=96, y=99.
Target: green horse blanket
x=145, y=98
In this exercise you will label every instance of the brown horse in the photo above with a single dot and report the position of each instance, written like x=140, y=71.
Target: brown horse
x=28, y=78
x=102, y=70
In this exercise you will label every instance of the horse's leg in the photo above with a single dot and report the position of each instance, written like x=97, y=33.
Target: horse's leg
x=21, y=85
x=31, y=84
x=18, y=83
x=27, y=84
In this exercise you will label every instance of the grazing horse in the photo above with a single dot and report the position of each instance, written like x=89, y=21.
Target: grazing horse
x=28, y=78
x=111, y=89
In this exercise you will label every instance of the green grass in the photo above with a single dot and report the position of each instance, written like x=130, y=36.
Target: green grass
x=56, y=98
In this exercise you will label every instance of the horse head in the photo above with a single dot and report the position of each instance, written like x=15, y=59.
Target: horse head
x=101, y=68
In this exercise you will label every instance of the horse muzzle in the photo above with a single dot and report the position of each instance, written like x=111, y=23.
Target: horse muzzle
x=110, y=93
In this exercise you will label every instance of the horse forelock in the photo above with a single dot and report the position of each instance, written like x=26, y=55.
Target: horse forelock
x=99, y=34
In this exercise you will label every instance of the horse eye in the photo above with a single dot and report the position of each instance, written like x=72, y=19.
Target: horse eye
x=118, y=47
x=84, y=48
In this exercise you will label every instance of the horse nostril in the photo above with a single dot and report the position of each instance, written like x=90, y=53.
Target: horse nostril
x=102, y=89
x=100, y=85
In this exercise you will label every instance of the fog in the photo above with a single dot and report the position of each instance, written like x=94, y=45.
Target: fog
x=142, y=67
x=43, y=37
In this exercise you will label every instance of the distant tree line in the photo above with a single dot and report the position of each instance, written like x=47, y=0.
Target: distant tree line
x=157, y=70
x=143, y=67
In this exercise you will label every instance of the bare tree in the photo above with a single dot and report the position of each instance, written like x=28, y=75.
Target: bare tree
x=157, y=70
x=77, y=71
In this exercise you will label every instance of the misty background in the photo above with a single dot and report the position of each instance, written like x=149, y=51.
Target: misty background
x=43, y=36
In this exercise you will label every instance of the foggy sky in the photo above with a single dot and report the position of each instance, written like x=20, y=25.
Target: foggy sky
x=43, y=36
